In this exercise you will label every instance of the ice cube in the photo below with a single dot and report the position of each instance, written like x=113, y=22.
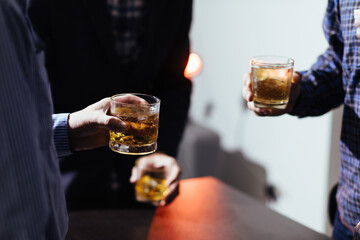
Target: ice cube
x=261, y=74
x=281, y=74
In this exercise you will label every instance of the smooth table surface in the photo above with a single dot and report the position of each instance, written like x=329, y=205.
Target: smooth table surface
x=205, y=209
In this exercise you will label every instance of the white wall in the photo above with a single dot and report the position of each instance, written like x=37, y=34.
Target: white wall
x=295, y=152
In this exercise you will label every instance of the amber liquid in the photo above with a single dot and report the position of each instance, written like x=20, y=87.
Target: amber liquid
x=271, y=87
x=140, y=134
x=151, y=189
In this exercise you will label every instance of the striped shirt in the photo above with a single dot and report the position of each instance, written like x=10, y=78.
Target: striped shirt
x=127, y=23
x=32, y=203
x=334, y=80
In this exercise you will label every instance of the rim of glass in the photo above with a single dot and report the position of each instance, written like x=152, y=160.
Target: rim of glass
x=272, y=60
x=157, y=100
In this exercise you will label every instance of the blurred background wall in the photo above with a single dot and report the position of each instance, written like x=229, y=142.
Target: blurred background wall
x=298, y=157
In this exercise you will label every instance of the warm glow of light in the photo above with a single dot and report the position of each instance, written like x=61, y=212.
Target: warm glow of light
x=193, y=66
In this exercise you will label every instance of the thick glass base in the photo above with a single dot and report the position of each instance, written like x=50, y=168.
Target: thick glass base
x=132, y=150
x=270, y=105
x=142, y=199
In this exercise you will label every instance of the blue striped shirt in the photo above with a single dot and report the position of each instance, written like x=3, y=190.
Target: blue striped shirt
x=32, y=203
x=334, y=80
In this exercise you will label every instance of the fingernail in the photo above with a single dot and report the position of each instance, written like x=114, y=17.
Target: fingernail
x=132, y=179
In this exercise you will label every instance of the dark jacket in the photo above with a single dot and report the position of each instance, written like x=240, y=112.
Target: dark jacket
x=83, y=68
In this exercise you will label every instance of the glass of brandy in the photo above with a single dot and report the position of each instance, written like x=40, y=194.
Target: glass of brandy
x=151, y=186
x=271, y=78
x=140, y=112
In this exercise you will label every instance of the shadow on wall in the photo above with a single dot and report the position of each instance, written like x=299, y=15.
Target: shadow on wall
x=200, y=155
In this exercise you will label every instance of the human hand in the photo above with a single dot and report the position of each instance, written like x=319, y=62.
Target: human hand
x=89, y=128
x=248, y=96
x=356, y=232
x=357, y=22
x=159, y=160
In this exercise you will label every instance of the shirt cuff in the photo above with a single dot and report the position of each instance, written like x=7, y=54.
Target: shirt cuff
x=60, y=127
x=302, y=104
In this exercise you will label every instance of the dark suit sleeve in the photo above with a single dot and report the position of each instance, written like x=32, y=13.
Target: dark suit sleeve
x=175, y=89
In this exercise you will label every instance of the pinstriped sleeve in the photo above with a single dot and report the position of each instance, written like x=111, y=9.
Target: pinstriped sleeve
x=61, y=134
x=28, y=175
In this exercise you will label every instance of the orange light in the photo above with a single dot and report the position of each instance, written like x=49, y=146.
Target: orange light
x=193, y=66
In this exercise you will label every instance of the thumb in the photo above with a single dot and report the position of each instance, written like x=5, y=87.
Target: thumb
x=113, y=123
x=134, y=175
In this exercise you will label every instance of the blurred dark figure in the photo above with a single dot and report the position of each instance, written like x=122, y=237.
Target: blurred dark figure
x=32, y=137
x=101, y=48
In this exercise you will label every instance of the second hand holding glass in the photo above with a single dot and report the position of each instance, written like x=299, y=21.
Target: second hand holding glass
x=152, y=186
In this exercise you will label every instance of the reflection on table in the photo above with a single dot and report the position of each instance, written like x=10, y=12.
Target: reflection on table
x=205, y=209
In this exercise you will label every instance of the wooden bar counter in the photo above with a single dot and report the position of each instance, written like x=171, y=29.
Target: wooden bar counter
x=205, y=209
